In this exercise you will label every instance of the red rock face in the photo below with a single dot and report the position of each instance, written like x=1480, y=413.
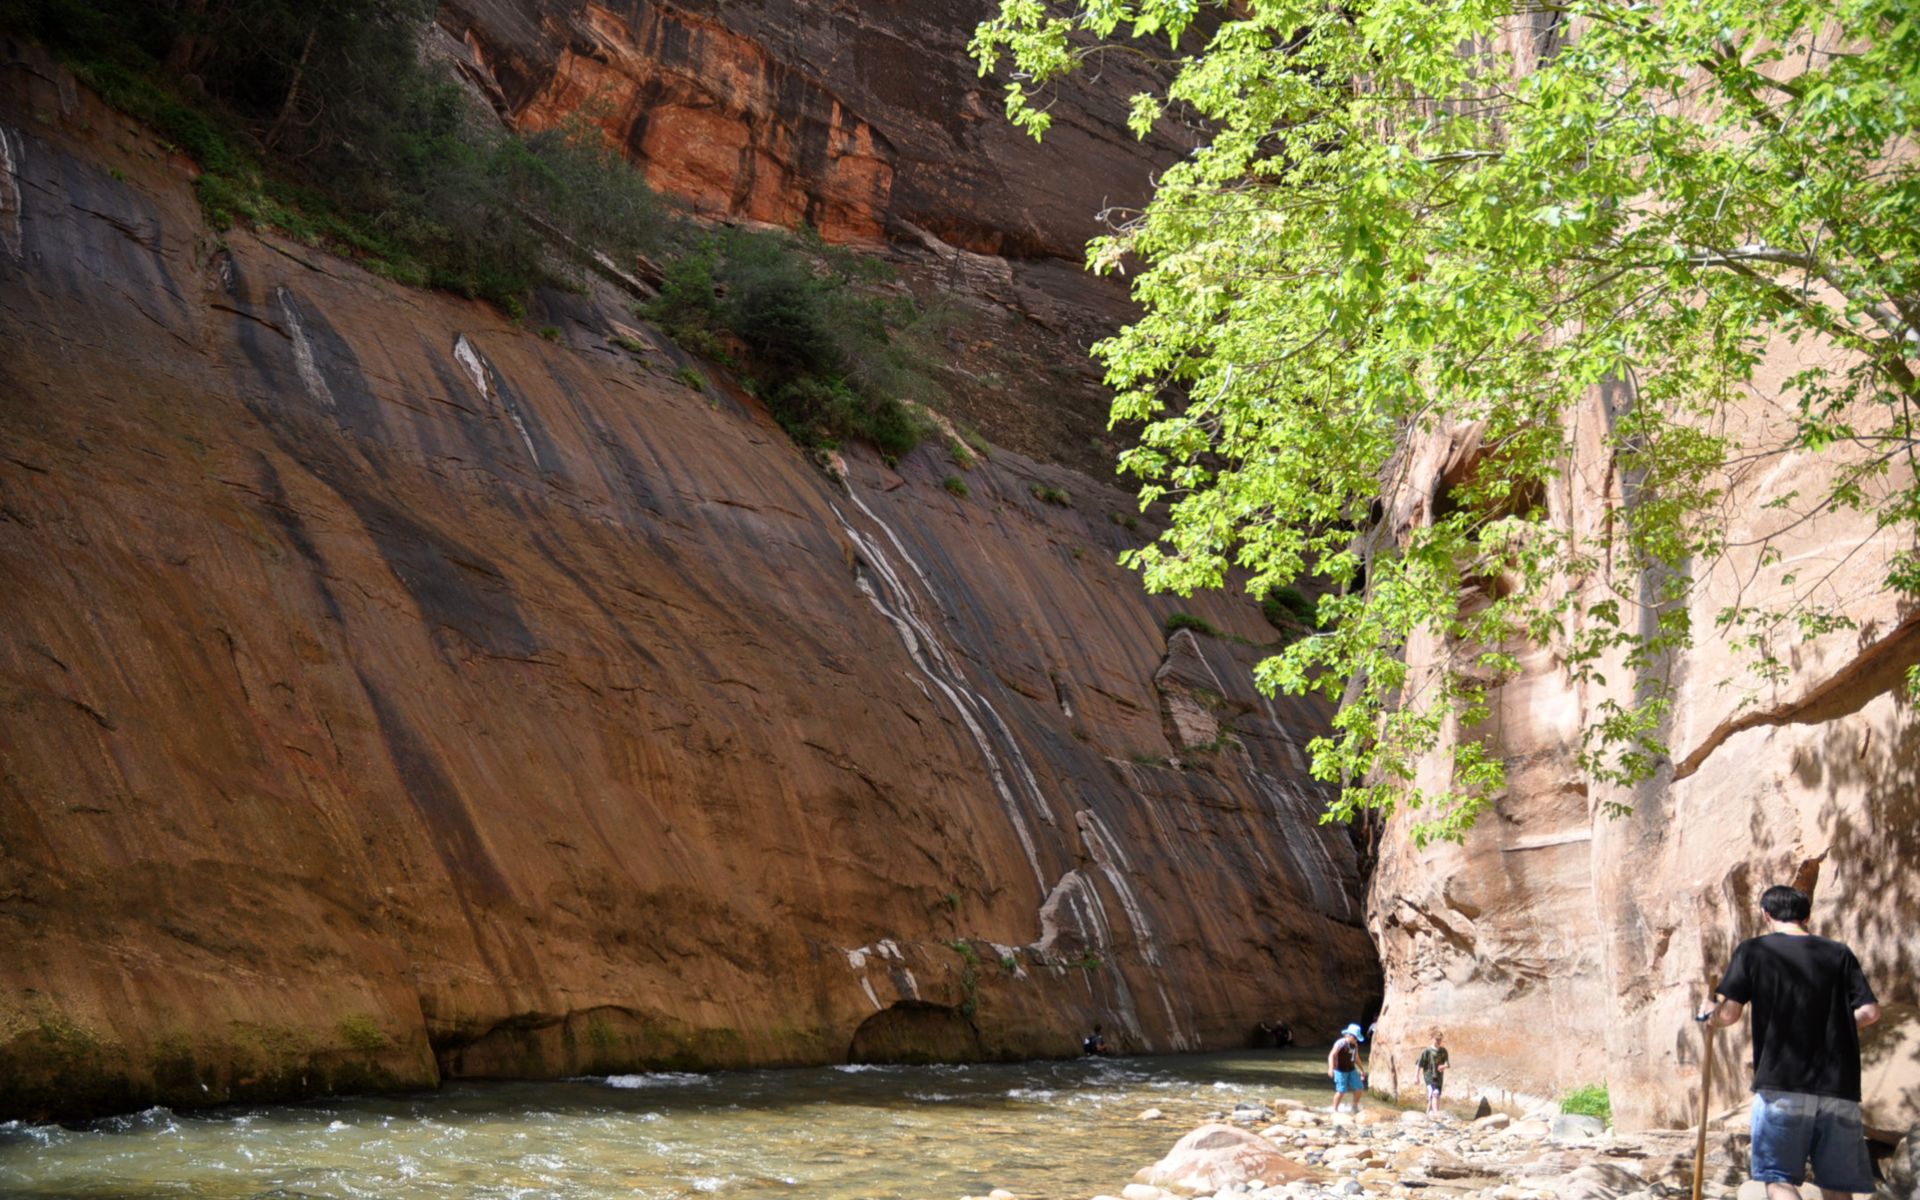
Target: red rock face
x=712, y=118
x=853, y=117
x=869, y=122
x=391, y=694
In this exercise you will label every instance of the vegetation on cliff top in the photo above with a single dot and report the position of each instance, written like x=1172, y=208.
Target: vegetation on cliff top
x=1386, y=239
x=326, y=121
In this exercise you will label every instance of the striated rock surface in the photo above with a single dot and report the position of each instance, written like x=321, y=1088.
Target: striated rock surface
x=869, y=122
x=850, y=117
x=1563, y=945
x=391, y=694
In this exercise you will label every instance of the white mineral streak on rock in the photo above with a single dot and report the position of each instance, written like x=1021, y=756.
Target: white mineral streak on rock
x=11, y=151
x=900, y=611
x=1295, y=759
x=1177, y=1035
x=1299, y=822
x=911, y=985
x=303, y=360
x=888, y=948
x=469, y=360
x=1062, y=895
x=857, y=960
x=934, y=646
x=481, y=372
x=1112, y=861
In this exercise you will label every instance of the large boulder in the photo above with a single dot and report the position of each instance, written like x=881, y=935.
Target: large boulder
x=1213, y=1157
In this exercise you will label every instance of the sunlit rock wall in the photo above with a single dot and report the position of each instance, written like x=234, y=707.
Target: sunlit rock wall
x=1563, y=945
x=392, y=694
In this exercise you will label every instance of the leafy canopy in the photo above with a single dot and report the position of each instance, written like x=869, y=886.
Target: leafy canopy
x=1406, y=217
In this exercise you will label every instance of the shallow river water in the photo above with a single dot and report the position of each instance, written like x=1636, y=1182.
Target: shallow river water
x=1053, y=1129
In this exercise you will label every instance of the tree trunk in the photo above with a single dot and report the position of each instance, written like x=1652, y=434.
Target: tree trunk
x=184, y=55
x=293, y=89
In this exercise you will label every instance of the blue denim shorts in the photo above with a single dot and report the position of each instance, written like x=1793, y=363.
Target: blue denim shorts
x=1348, y=1081
x=1792, y=1128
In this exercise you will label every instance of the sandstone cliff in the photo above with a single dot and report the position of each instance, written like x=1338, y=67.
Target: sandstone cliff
x=1561, y=945
x=869, y=122
x=392, y=694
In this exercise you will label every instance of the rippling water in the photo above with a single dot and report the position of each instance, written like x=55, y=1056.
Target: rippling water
x=1054, y=1129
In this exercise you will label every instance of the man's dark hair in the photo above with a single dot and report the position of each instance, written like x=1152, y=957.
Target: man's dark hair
x=1787, y=904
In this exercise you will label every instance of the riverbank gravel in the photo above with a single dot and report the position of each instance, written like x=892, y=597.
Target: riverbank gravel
x=1284, y=1150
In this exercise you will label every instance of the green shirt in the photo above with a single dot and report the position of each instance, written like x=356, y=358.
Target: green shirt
x=1431, y=1060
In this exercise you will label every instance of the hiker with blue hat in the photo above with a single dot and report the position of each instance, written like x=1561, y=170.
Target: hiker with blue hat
x=1349, y=1074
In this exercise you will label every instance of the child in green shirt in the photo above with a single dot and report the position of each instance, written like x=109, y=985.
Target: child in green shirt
x=1433, y=1067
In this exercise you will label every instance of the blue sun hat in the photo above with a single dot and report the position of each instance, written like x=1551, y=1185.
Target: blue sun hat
x=1353, y=1031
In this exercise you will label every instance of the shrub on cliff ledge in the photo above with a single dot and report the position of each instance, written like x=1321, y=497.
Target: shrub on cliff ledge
x=1589, y=226
x=833, y=358
x=324, y=121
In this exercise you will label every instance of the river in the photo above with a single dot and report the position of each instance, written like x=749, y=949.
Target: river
x=1054, y=1129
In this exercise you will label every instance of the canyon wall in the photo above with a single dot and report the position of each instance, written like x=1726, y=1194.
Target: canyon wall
x=393, y=693
x=1571, y=936
x=869, y=122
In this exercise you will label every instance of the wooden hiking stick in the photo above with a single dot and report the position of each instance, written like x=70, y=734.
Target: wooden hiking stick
x=1706, y=1087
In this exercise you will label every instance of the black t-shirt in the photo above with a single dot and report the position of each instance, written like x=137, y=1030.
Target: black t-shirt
x=1803, y=991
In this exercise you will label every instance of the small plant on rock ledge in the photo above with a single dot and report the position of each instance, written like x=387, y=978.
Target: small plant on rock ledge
x=1185, y=620
x=956, y=485
x=1592, y=1100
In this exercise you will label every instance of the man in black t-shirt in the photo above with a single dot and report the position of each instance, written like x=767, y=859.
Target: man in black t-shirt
x=1810, y=999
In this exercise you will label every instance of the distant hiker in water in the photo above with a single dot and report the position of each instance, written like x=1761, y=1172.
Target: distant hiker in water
x=1345, y=1067
x=1096, y=1043
x=1433, y=1069
x=1279, y=1031
x=1810, y=1000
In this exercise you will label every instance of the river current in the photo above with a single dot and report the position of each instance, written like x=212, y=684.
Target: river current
x=1054, y=1129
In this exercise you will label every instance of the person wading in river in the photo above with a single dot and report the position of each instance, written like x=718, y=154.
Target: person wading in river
x=1344, y=1065
x=1810, y=1000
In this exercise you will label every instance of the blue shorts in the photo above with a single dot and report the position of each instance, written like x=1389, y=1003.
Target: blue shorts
x=1791, y=1128
x=1348, y=1081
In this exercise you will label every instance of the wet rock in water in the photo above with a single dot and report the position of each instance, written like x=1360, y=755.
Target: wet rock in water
x=1215, y=1156
x=1153, y=1114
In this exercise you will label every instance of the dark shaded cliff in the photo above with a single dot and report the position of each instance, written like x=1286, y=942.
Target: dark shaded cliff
x=392, y=694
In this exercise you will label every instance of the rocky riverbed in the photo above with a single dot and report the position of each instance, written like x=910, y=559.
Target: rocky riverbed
x=1283, y=1150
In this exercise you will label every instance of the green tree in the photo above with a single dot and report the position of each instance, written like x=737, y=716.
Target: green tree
x=1407, y=216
